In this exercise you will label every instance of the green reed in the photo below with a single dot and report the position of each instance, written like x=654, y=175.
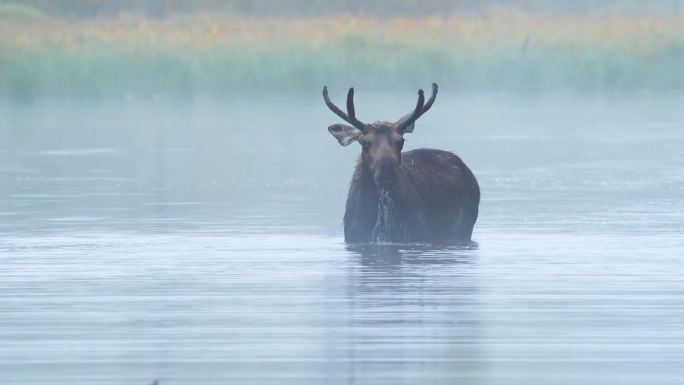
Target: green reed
x=227, y=56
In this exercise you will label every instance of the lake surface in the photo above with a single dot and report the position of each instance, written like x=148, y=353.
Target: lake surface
x=201, y=243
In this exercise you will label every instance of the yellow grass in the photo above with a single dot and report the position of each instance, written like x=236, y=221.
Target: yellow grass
x=208, y=54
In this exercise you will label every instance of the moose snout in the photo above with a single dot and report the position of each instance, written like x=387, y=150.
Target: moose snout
x=386, y=172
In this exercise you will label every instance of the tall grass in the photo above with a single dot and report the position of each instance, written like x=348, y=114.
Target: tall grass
x=225, y=56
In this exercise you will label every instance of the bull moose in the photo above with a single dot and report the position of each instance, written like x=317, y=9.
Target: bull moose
x=421, y=195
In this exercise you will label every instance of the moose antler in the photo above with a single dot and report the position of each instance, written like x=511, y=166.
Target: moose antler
x=350, y=116
x=406, y=122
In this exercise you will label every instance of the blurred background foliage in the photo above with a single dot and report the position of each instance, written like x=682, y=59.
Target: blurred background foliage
x=93, y=49
x=163, y=8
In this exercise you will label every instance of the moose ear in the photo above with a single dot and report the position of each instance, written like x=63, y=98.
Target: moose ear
x=345, y=134
x=410, y=128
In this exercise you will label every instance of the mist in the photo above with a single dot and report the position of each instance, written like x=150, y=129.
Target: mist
x=172, y=202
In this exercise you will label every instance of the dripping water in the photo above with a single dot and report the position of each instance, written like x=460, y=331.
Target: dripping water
x=388, y=227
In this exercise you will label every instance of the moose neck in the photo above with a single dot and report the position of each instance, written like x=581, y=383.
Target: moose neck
x=387, y=223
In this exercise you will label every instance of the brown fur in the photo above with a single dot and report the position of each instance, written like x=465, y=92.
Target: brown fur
x=417, y=196
x=435, y=195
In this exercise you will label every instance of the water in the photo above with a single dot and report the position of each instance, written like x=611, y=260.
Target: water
x=387, y=226
x=200, y=243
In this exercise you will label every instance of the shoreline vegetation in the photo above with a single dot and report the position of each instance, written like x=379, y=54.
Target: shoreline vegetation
x=224, y=55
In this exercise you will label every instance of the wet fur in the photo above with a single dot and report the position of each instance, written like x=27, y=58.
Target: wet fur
x=436, y=198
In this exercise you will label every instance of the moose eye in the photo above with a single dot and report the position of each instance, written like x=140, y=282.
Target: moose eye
x=364, y=142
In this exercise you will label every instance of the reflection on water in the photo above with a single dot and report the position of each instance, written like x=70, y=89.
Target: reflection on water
x=394, y=255
x=411, y=323
x=203, y=244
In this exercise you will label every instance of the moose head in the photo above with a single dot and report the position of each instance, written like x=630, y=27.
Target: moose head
x=381, y=141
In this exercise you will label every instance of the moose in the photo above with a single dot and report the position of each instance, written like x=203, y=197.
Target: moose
x=422, y=195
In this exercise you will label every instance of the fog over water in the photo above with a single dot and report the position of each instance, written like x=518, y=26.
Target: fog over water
x=201, y=242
